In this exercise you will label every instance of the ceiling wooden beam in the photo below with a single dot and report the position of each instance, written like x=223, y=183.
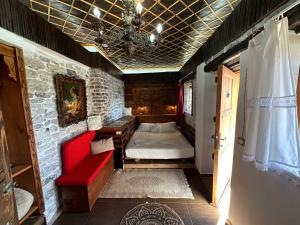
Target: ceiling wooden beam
x=19, y=19
x=245, y=16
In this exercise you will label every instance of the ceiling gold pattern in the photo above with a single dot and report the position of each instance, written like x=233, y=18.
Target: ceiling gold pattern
x=187, y=24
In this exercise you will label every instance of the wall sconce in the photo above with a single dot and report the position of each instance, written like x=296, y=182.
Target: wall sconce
x=142, y=109
x=171, y=108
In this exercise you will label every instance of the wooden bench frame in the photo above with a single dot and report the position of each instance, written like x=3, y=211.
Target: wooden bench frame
x=83, y=198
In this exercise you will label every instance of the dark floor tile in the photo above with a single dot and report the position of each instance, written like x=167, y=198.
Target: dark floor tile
x=170, y=200
x=106, y=213
x=132, y=200
x=182, y=210
x=201, y=186
x=203, y=214
x=72, y=219
x=193, y=212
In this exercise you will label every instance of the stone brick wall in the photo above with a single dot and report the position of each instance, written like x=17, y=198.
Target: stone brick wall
x=105, y=95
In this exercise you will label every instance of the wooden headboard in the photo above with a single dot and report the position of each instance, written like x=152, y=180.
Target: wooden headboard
x=161, y=118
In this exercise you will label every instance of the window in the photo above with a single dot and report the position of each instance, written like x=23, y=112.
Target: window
x=188, y=97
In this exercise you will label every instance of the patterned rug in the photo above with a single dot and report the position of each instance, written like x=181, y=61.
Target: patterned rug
x=151, y=214
x=147, y=183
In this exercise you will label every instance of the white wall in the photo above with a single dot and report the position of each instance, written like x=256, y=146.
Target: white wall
x=205, y=127
x=261, y=198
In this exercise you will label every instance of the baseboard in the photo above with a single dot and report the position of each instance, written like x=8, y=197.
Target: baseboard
x=228, y=222
x=55, y=216
x=159, y=166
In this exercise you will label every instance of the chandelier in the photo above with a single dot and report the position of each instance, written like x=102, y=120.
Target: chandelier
x=130, y=36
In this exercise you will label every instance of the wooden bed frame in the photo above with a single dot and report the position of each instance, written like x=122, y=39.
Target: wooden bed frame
x=187, y=131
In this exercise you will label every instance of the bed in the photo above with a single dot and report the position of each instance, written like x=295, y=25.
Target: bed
x=154, y=143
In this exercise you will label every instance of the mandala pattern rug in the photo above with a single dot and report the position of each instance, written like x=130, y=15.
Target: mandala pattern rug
x=151, y=214
x=147, y=183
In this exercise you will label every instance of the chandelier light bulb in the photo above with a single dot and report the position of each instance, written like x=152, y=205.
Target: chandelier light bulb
x=152, y=38
x=139, y=8
x=159, y=28
x=96, y=12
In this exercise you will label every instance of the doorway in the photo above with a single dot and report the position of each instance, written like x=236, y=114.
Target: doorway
x=226, y=108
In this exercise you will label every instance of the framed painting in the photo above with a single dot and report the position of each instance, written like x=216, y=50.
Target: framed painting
x=71, y=100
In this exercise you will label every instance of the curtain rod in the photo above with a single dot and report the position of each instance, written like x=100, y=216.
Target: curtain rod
x=186, y=76
x=257, y=28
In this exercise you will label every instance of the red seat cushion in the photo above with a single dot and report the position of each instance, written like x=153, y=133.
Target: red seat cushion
x=86, y=171
x=76, y=150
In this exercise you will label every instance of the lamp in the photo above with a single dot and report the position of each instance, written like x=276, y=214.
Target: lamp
x=142, y=109
x=159, y=28
x=171, y=108
x=131, y=36
x=139, y=8
x=94, y=122
x=96, y=12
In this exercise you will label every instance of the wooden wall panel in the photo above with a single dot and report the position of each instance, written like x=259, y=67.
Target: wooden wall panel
x=155, y=91
x=19, y=19
x=245, y=16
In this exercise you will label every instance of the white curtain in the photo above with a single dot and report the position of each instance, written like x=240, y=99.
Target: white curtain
x=272, y=139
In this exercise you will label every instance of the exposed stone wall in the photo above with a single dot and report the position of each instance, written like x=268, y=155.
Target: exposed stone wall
x=105, y=95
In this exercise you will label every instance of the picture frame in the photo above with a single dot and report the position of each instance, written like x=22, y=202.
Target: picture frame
x=71, y=99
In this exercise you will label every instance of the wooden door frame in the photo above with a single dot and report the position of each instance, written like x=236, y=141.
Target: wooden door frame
x=217, y=131
x=7, y=173
x=17, y=54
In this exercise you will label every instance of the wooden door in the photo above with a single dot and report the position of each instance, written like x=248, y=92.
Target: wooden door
x=7, y=210
x=227, y=95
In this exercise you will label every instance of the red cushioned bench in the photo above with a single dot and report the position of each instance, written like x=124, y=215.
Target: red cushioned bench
x=84, y=175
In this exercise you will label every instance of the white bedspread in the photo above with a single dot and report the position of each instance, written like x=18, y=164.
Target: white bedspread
x=148, y=145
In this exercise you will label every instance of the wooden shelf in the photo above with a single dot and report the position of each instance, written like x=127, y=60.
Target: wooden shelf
x=19, y=169
x=30, y=212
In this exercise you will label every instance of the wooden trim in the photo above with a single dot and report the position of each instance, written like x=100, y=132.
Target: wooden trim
x=82, y=198
x=189, y=133
x=29, y=213
x=19, y=169
x=222, y=72
x=7, y=51
x=245, y=16
x=159, y=166
x=30, y=132
x=162, y=118
x=228, y=222
x=217, y=140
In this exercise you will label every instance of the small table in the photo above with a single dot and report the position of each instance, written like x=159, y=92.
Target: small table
x=121, y=130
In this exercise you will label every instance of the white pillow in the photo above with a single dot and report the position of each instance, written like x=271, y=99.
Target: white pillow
x=24, y=201
x=156, y=128
x=127, y=111
x=146, y=127
x=168, y=127
x=100, y=146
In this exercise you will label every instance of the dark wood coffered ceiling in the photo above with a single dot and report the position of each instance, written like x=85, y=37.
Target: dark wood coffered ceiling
x=187, y=25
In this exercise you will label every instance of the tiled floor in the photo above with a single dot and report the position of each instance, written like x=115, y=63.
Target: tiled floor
x=192, y=212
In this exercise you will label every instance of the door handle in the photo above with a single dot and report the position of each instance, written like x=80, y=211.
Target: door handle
x=214, y=137
x=7, y=188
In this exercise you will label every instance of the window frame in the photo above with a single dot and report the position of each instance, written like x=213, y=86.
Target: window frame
x=192, y=97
